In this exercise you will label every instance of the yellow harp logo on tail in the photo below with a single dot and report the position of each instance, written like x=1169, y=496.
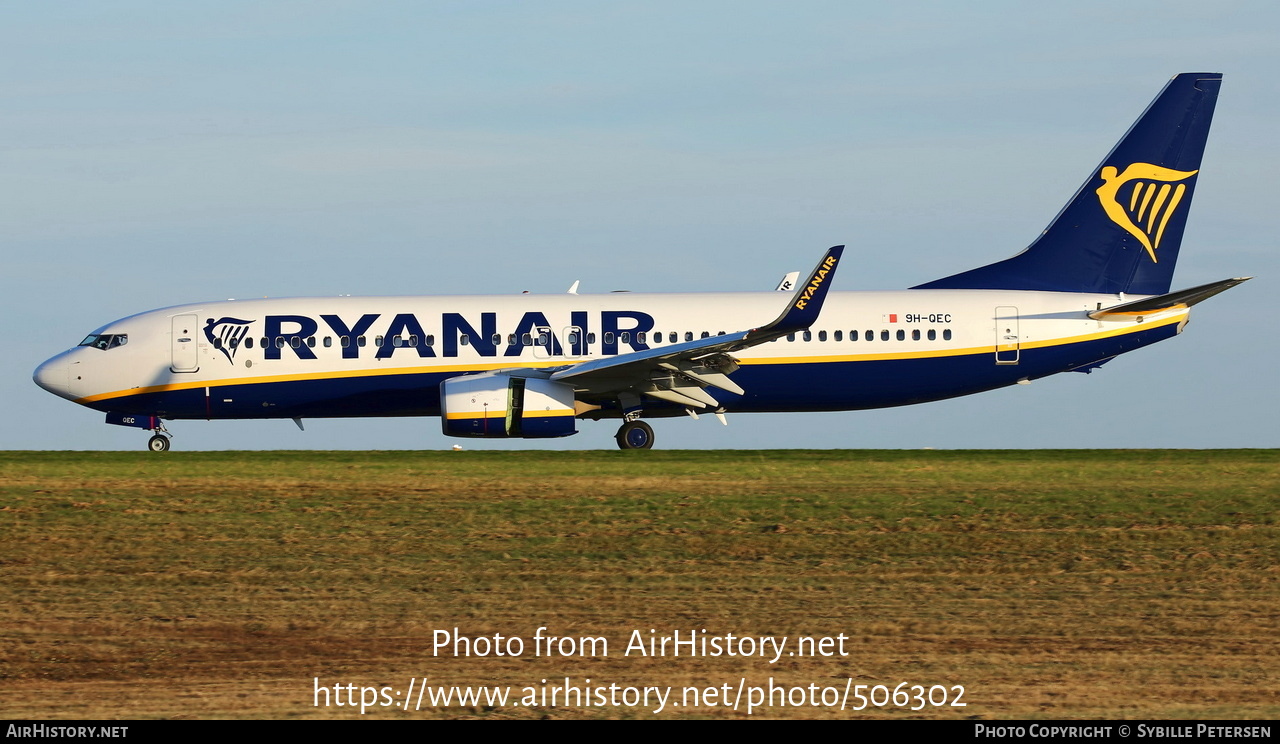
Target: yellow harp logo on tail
x=1142, y=199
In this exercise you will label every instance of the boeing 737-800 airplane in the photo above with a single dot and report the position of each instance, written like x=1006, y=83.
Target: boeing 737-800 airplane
x=1094, y=285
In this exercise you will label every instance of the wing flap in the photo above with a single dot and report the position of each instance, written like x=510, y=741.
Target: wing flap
x=682, y=397
x=706, y=377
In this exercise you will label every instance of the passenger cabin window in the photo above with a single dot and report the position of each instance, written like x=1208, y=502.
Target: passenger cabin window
x=869, y=335
x=328, y=341
x=808, y=335
x=884, y=335
x=933, y=335
x=839, y=335
x=822, y=335
x=248, y=343
x=688, y=335
x=946, y=334
x=671, y=337
x=915, y=335
x=902, y=335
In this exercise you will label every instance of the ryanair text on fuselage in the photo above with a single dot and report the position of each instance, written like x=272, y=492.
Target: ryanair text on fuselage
x=407, y=333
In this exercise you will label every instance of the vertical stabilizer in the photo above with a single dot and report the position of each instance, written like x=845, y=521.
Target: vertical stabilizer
x=1122, y=230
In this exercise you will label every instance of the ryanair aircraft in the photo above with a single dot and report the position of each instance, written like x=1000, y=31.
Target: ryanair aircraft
x=1094, y=285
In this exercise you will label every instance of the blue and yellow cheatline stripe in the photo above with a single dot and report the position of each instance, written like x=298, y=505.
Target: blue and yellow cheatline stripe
x=508, y=364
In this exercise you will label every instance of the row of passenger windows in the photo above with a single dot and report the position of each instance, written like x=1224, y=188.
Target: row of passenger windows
x=901, y=335
x=572, y=339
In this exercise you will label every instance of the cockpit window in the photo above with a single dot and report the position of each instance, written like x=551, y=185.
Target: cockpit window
x=105, y=341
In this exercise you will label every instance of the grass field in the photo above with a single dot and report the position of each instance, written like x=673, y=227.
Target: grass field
x=1114, y=584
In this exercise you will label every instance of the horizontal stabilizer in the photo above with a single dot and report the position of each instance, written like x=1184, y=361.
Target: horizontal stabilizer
x=1182, y=298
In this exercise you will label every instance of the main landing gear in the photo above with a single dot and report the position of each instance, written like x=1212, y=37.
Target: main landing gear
x=635, y=435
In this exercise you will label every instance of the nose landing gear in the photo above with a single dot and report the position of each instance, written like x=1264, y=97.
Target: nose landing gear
x=159, y=441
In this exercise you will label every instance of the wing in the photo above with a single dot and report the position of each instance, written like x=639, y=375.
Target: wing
x=680, y=373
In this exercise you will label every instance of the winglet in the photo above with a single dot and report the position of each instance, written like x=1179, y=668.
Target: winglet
x=806, y=303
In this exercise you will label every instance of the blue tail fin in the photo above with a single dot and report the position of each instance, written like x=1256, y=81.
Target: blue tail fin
x=1122, y=230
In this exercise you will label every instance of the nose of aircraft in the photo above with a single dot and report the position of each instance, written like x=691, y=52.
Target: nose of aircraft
x=54, y=376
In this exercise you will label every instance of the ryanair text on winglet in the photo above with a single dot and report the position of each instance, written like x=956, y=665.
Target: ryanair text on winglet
x=819, y=276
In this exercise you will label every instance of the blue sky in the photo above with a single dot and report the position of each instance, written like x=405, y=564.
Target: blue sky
x=156, y=154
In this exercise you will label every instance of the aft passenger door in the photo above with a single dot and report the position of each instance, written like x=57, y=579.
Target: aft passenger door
x=185, y=347
x=1008, y=341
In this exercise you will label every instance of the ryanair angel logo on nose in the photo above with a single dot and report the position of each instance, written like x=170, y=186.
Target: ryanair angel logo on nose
x=226, y=334
x=1142, y=199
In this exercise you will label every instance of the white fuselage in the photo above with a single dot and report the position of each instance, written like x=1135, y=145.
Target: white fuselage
x=386, y=356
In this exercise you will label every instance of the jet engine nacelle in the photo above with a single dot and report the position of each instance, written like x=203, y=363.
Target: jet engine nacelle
x=495, y=404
